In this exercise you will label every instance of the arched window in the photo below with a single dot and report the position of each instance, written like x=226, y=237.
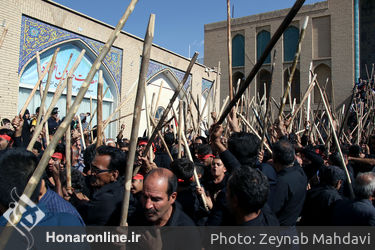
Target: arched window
x=159, y=112
x=238, y=51
x=264, y=77
x=291, y=36
x=323, y=73
x=263, y=38
x=295, y=86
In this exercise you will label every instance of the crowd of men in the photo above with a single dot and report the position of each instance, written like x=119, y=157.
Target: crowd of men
x=301, y=183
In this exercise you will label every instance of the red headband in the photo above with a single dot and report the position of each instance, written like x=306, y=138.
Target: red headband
x=144, y=143
x=182, y=181
x=6, y=137
x=138, y=177
x=57, y=156
x=204, y=157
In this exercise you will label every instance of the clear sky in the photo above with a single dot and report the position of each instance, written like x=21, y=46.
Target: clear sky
x=178, y=23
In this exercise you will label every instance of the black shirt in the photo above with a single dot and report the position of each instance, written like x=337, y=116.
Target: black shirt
x=288, y=197
x=317, y=210
x=353, y=213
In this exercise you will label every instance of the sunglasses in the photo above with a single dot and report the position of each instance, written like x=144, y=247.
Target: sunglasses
x=97, y=170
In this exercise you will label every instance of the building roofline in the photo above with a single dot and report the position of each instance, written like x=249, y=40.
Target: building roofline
x=319, y=6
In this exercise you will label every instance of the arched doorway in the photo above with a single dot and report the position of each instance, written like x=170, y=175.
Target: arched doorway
x=29, y=76
x=170, y=82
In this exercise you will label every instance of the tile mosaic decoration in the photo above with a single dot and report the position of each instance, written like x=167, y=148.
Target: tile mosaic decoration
x=154, y=68
x=37, y=36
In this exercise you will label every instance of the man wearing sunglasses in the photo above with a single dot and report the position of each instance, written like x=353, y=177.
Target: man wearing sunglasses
x=104, y=205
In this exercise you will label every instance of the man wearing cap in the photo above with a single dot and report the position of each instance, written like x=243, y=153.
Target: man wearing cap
x=53, y=121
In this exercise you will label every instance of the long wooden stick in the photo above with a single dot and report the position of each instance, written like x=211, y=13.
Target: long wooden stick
x=137, y=116
x=90, y=128
x=99, y=108
x=217, y=84
x=307, y=93
x=158, y=98
x=336, y=140
x=96, y=108
x=188, y=153
x=229, y=49
x=55, y=99
x=121, y=117
x=283, y=26
x=39, y=69
x=180, y=119
x=294, y=65
x=82, y=135
x=176, y=93
x=268, y=103
x=49, y=78
x=68, y=146
x=35, y=178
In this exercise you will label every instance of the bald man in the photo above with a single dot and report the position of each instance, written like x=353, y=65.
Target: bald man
x=158, y=200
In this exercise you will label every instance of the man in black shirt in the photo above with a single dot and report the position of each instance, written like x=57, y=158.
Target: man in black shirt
x=247, y=193
x=317, y=209
x=288, y=197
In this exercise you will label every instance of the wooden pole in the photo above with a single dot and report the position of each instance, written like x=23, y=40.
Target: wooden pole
x=176, y=93
x=294, y=66
x=49, y=78
x=309, y=96
x=188, y=153
x=99, y=108
x=268, y=103
x=35, y=178
x=148, y=112
x=307, y=93
x=90, y=128
x=217, y=84
x=55, y=99
x=121, y=117
x=336, y=141
x=68, y=146
x=39, y=69
x=158, y=98
x=95, y=110
x=137, y=116
x=180, y=120
x=229, y=48
x=82, y=135
x=283, y=26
